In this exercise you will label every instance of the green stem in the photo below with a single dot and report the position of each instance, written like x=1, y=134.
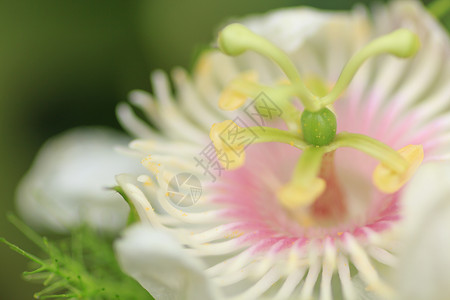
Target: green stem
x=269, y=134
x=235, y=39
x=401, y=43
x=30, y=234
x=372, y=147
x=308, y=166
x=280, y=95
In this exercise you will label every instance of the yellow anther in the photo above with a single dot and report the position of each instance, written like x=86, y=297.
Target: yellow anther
x=389, y=181
x=227, y=139
x=146, y=180
x=233, y=96
x=231, y=99
x=294, y=195
x=150, y=165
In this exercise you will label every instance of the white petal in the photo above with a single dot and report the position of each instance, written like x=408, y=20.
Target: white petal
x=69, y=180
x=424, y=270
x=161, y=266
x=288, y=28
x=360, y=288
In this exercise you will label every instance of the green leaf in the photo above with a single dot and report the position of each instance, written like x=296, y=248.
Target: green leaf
x=79, y=266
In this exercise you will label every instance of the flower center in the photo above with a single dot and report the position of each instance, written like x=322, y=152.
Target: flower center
x=313, y=195
x=330, y=207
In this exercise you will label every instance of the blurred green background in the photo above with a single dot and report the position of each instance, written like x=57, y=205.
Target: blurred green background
x=68, y=63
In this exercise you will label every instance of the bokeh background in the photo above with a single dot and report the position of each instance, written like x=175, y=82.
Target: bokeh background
x=68, y=63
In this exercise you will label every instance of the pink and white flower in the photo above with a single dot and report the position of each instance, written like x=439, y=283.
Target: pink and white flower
x=238, y=241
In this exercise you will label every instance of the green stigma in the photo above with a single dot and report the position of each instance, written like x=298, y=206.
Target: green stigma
x=318, y=127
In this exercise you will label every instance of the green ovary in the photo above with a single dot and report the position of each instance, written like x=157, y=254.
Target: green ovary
x=319, y=128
